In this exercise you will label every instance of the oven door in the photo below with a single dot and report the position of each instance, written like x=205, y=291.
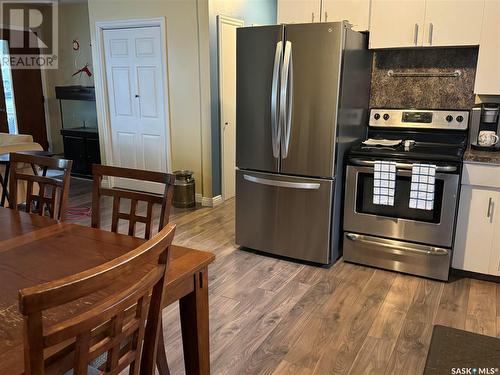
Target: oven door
x=401, y=222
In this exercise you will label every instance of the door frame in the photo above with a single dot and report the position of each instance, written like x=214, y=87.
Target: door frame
x=234, y=22
x=101, y=84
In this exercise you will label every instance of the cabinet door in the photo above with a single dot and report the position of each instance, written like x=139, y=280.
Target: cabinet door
x=475, y=230
x=299, y=11
x=453, y=23
x=488, y=71
x=396, y=23
x=93, y=153
x=74, y=149
x=495, y=250
x=357, y=12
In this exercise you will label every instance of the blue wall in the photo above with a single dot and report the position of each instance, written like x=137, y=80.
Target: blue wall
x=262, y=12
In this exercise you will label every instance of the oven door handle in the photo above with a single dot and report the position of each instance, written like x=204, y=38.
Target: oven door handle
x=405, y=166
x=418, y=249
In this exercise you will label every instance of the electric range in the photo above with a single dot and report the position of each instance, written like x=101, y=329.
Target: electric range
x=398, y=237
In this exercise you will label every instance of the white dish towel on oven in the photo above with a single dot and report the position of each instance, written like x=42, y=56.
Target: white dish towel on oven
x=384, y=182
x=423, y=178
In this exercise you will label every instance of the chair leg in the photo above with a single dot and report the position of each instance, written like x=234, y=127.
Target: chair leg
x=161, y=354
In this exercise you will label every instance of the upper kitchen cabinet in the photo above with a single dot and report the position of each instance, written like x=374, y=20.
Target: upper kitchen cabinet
x=488, y=71
x=357, y=12
x=425, y=23
x=396, y=23
x=299, y=11
x=453, y=23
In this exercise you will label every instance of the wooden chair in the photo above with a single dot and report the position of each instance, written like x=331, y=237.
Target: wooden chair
x=130, y=314
x=52, y=194
x=165, y=200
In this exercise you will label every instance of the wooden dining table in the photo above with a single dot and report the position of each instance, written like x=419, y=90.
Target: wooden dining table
x=36, y=249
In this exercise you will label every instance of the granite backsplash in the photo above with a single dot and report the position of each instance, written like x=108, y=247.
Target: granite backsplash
x=424, y=92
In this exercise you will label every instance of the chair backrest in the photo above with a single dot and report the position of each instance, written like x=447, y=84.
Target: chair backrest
x=53, y=192
x=123, y=327
x=164, y=200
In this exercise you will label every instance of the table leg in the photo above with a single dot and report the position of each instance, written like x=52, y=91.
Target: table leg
x=5, y=184
x=194, y=325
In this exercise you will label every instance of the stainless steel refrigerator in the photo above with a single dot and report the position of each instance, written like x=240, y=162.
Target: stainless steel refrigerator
x=302, y=96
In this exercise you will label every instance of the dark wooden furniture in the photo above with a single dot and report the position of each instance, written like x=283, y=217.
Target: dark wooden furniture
x=79, y=127
x=36, y=249
x=124, y=326
x=164, y=201
x=4, y=180
x=82, y=146
x=53, y=192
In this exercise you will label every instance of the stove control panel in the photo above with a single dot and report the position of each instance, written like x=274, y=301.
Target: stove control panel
x=419, y=119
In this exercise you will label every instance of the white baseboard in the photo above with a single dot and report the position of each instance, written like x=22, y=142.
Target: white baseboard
x=208, y=202
x=217, y=200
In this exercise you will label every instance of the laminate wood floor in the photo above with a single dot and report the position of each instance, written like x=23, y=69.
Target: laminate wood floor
x=270, y=316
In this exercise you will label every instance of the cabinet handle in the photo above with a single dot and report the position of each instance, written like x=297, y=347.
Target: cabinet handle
x=490, y=206
x=312, y=17
x=415, y=34
x=326, y=16
x=431, y=30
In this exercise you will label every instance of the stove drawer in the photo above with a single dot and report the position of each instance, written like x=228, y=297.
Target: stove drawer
x=415, y=259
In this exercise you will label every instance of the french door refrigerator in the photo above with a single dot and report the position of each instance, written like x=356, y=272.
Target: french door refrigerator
x=302, y=96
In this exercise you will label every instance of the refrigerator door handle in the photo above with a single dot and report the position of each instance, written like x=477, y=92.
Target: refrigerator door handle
x=286, y=98
x=285, y=184
x=275, y=115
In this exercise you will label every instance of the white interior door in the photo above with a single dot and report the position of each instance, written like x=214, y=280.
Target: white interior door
x=227, y=96
x=136, y=97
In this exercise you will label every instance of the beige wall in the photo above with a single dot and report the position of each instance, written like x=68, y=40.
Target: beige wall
x=73, y=24
x=188, y=84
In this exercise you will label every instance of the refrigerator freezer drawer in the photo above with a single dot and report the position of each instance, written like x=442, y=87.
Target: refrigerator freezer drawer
x=283, y=215
x=421, y=260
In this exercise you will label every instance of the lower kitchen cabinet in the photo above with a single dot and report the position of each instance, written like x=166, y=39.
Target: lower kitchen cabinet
x=477, y=243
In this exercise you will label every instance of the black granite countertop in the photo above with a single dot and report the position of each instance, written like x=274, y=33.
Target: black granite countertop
x=486, y=157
